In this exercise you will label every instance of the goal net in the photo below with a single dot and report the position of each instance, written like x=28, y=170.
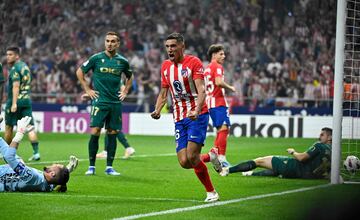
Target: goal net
x=350, y=135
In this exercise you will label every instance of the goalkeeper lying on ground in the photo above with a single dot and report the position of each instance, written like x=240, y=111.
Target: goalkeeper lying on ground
x=311, y=164
x=16, y=176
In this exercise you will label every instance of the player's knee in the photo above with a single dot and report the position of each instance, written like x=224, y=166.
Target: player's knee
x=259, y=161
x=184, y=163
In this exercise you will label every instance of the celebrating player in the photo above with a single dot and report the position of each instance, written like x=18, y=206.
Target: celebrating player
x=18, y=103
x=313, y=163
x=107, y=67
x=215, y=99
x=183, y=75
x=16, y=176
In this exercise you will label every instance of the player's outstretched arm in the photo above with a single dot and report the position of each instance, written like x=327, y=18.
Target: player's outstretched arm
x=298, y=156
x=160, y=102
x=23, y=126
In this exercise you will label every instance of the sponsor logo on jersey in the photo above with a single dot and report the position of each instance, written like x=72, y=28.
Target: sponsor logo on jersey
x=19, y=168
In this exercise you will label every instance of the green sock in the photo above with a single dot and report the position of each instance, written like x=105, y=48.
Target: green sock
x=242, y=167
x=122, y=139
x=35, y=146
x=111, y=149
x=106, y=142
x=93, y=148
x=264, y=173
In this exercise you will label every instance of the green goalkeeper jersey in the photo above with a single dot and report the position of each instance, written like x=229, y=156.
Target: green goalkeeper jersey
x=20, y=72
x=318, y=165
x=107, y=75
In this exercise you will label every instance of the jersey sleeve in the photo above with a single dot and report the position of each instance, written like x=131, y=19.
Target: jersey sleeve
x=164, y=82
x=314, y=150
x=14, y=74
x=89, y=64
x=127, y=71
x=218, y=71
x=197, y=69
x=9, y=154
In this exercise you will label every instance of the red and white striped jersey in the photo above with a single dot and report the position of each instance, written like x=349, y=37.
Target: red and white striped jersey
x=179, y=79
x=215, y=95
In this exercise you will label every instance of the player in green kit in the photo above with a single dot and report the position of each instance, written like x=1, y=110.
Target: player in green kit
x=18, y=104
x=107, y=68
x=311, y=164
x=2, y=82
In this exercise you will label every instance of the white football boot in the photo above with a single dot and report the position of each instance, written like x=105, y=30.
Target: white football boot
x=214, y=159
x=102, y=154
x=225, y=171
x=128, y=152
x=35, y=157
x=212, y=196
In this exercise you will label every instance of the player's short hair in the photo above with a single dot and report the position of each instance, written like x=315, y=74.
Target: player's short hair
x=176, y=36
x=214, y=48
x=62, y=176
x=327, y=130
x=114, y=33
x=14, y=49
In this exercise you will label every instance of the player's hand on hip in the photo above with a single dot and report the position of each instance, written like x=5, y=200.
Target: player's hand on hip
x=93, y=94
x=155, y=115
x=85, y=97
x=23, y=125
x=122, y=95
x=193, y=115
x=13, y=107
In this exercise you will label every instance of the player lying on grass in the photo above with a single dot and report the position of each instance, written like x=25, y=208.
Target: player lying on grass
x=311, y=164
x=16, y=176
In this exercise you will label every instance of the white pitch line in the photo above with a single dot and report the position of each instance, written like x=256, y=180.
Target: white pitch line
x=103, y=197
x=135, y=156
x=191, y=208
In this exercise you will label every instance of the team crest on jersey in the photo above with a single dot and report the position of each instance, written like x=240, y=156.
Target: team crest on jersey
x=102, y=60
x=184, y=73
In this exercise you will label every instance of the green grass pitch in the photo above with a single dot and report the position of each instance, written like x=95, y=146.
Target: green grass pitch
x=153, y=181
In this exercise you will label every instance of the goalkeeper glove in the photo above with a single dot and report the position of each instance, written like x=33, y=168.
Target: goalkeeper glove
x=23, y=126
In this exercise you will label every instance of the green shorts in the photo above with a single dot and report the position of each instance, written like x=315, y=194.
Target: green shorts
x=286, y=167
x=108, y=114
x=11, y=118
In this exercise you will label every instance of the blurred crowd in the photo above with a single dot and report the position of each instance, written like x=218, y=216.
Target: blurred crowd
x=279, y=52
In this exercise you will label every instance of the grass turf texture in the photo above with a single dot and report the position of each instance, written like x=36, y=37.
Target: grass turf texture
x=153, y=181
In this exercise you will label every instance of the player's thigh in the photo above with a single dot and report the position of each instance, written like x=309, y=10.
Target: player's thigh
x=180, y=136
x=114, y=118
x=284, y=166
x=196, y=131
x=10, y=117
x=98, y=115
x=25, y=111
x=220, y=116
x=264, y=162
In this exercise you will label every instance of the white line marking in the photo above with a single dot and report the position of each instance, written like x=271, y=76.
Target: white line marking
x=102, y=197
x=191, y=208
x=65, y=161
